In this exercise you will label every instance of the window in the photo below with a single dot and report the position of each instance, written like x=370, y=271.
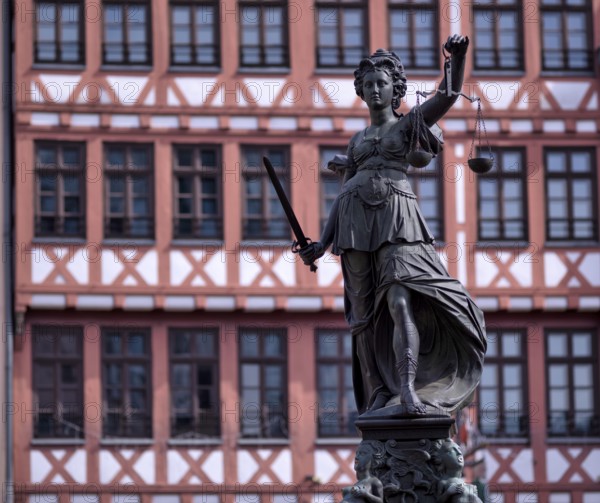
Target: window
x=497, y=35
x=126, y=383
x=337, y=408
x=127, y=36
x=60, y=189
x=59, y=32
x=567, y=35
x=263, y=34
x=571, y=357
x=427, y=184
x=197, y=186
x=342, y=36
x=263, y=214
x=503, y=407
x=57, y=381
x=414, y=33
x=194, y=33
x=571, y=211
x=331, y=182
x=263, y=383
x=194, y=383
x=502, y=197
x=129, y=189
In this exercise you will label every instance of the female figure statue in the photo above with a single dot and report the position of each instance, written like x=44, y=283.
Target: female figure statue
x=419, y=339
x=368, y=489
x=449, y=463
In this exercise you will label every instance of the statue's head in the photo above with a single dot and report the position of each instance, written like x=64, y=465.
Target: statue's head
x=387, y=62
x=447, y=457
x=369, y=455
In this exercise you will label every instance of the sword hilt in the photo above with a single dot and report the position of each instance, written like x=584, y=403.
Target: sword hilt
x=296, y=249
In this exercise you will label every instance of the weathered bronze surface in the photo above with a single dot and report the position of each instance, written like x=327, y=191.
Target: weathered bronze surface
x=419, y=339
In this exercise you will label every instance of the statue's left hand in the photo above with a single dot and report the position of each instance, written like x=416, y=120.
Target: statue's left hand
x=457, y=45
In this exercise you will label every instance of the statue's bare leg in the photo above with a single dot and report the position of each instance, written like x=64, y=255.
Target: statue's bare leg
x=405, y=345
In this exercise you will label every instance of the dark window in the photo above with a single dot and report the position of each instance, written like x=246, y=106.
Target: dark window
x=572, y=374
x=502, y=197
x=197, y=184
x=503, y=408
x=414, y=33
x=427, y=184
x=194, y=33
x=337, y=408
x=127, y=36
x=571, y=210
x=129, y=201
x=60, y=189
x=498, y=35
x=567, y=35
x=263, y=383
x=263, y=34
x=58, y=381
x=331, y=182
x=263, y=214
x=126, y=387
x=194, y=383
x=342, y=33
x=59, y=32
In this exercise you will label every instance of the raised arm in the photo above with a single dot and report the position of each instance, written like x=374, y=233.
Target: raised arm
x=437, y=106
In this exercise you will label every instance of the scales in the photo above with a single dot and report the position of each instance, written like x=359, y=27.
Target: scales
x=420, y=155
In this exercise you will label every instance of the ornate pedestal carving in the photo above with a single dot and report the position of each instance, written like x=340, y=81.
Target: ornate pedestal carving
x=409, y=461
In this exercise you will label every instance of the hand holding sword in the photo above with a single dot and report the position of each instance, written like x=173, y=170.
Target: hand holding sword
x=308, y=250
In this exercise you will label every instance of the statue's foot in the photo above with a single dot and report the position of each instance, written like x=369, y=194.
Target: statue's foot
x=411, y=401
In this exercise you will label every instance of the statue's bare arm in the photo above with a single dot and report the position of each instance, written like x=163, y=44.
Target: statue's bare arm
x=437, y=106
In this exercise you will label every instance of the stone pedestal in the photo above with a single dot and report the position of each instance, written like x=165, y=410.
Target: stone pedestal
x=409, y=460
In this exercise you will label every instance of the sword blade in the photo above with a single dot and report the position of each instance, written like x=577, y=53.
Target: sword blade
x=285, y=203
x=287, y=208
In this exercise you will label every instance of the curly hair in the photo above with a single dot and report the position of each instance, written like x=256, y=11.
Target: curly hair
x=390, y=63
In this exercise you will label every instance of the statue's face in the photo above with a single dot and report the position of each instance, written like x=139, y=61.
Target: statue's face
x=378, y=89
x=452, y=457
x=362, y=460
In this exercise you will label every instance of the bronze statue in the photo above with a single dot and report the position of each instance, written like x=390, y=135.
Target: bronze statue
x=419, y=339
x=368, y=489
x=449, y=463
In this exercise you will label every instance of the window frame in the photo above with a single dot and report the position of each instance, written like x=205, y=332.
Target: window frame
x=253, y=172
x=413, y=8
x=197, y=172
x=326, y=176
x=56, y=360
x=499, y=9
x=340, y=6
x=262, y=27
x=262, y=361
x=195, y=360
x=569, y=176
x=216, y=27
x=497, y=176
x=58, y=28
x=564, y=8
x=501, y=360
x=570, y=361
x=345, y=422
x=127, y=172
x=59, y=171
x=124, y=23
x=124, y=360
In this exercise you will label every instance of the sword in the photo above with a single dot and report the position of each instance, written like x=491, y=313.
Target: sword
x=301, y=240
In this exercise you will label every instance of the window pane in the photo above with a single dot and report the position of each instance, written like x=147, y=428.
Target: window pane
x=557, y=345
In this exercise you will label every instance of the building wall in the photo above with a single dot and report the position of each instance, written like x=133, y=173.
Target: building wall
x=163, y=283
